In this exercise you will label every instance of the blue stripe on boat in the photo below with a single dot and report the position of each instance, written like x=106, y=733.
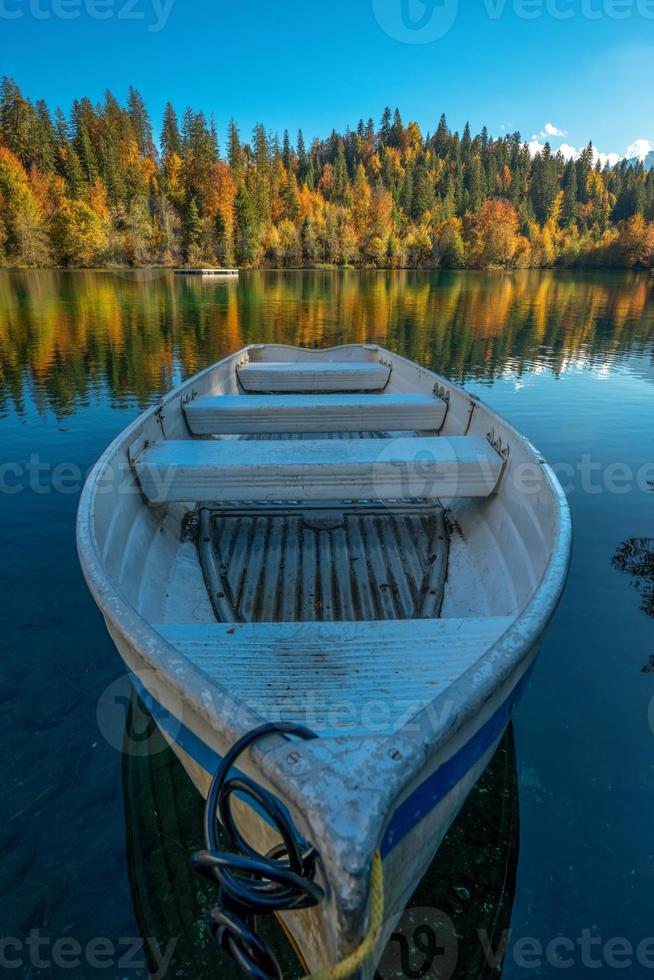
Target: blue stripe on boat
x=409, y=813
x=436, y=787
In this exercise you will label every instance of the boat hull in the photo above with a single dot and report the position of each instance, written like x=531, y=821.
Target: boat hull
x=413, y=831
x=349, y=795
x=469, y=887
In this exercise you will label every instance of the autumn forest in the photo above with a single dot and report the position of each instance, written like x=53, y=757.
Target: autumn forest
x=97, y=188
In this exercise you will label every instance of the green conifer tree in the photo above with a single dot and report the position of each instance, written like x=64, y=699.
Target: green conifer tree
x=385, y=130
x=302, y=159
x=570, y=203
x=340, y=170
x=423, y=193
x=140, y=120
x=191, y=229
x=170, y=139
x=309, y=242
x=234, y=151
x=442, y=138
x=247, y=229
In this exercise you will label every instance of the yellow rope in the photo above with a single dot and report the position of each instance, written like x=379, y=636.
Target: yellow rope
x=349, y=966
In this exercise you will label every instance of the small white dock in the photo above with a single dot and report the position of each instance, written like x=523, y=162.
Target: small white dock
x=206, y=272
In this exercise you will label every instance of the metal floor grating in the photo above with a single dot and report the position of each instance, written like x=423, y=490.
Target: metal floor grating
x=371, y=563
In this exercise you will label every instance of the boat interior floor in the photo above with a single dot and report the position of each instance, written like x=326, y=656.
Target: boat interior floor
x=317, y=564
x=328, y=613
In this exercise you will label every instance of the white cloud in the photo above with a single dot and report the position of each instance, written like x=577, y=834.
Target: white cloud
x=546, y=134
x=535, y=146
x=611, y=158
x=551, y=130
x=571, y=153
x=640, y=149
x=568, y=152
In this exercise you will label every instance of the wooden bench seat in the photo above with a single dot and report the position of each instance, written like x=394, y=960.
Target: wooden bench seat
x=313, y=377
x=232, y=414
x=351, y=469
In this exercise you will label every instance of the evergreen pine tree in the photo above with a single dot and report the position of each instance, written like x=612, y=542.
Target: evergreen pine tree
x=170, y=139
x=260, y=185
x=247, y=234
x=17, y=118
x=140, y=120
x=442, y=138
x=73, y=173
x=213, y=137
x=234, y=151
x=385, y=130
x=649, y=196
x=191, y=229
x=544, y=183
x=423, y=193
x=569, y=215
x=292, y=198
x=302, y=159
x=84, y=122
x=340, y=170
x=397, y=131
x=466, y=145
x=406, y=191
x=311, y=172
x=222, y=244
x=584, y=166
x=476, y=189
x=45, y=143
x=286, y=152
x=370, y=136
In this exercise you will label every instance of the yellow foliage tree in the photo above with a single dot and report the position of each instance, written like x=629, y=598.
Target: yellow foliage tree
x=25, y=238
x=636, y=242
x=600, y=199
x=81, y=233
x=493, y=237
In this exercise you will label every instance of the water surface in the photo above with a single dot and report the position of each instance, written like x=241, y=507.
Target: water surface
x=568, y=358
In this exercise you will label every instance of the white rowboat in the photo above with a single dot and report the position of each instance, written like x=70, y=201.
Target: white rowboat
x=343, y=540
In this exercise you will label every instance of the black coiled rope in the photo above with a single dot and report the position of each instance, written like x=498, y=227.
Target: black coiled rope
x=250, y=883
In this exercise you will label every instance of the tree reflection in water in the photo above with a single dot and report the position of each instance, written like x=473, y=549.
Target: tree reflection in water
x=636, y=556
x=66, y=337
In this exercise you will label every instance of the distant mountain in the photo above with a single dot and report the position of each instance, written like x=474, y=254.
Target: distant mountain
x=648, y=162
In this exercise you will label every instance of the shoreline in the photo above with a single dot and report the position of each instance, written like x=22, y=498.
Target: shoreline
x=638, y=271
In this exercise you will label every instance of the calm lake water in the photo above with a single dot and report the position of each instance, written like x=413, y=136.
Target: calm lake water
x=568, y=358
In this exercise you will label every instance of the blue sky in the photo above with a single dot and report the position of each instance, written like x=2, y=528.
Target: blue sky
x=586, y=67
